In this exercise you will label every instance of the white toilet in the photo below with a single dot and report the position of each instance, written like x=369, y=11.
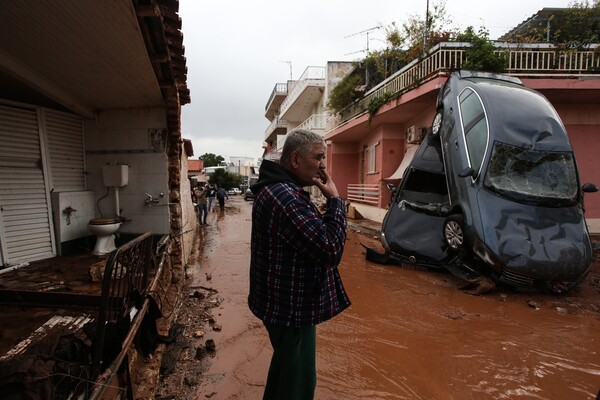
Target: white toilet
x=115, y=176
x=104, y=229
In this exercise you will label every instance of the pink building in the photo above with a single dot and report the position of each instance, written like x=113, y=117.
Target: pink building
x=366, y=152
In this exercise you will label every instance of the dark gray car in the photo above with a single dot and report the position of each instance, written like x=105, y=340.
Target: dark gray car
x=412, y=228
x=515, y=197
x=512, y=205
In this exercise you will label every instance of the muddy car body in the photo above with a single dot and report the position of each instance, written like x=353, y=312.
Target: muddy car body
x=412, y=228
x=516, y=204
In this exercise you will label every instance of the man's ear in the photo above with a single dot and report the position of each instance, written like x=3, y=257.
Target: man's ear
x=294, y=161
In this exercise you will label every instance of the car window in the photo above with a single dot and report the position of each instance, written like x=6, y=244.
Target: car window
x=547, y=177
x=477, y=138
x=424, y=187
x=475, y=127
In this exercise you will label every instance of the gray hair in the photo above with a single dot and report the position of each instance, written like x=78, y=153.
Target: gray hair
x=299, y=140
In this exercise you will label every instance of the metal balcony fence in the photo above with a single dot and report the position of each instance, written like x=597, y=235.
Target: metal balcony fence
x=279, y=89
x=367, y=193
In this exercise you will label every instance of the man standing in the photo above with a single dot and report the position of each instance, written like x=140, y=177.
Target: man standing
x=202, y=204
x=212, y=194
x=295, y=252
x=221, y=196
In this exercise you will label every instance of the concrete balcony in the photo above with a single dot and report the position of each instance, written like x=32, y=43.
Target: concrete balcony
x=303, y=95
x=314, y=123
x=278, y=126
x=539, y=60
x=277, y=96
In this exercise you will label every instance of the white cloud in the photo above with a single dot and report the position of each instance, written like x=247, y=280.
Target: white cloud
x=235, y=49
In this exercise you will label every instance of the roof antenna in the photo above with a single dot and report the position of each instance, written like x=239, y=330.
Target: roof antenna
x=365, y=32
x=290, y=64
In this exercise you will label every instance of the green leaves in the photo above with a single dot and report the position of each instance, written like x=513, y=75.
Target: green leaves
x=481, y=56
x=225, y=179
x=211, y=160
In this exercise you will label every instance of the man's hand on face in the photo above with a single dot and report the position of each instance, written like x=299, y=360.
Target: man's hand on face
x=325, y=184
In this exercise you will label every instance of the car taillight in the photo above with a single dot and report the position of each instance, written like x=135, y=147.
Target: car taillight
x=485, y=255
x=384, y=243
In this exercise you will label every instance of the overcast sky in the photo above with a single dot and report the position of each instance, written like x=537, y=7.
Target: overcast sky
x=238, y=50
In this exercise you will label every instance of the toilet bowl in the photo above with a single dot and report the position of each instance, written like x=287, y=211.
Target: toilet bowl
x=104, y=229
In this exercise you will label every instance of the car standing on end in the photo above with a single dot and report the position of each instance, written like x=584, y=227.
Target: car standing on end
x=515, y=198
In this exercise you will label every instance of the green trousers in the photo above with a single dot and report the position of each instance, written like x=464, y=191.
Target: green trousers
x=292, y=373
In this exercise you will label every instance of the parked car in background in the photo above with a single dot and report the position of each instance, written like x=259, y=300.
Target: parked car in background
x=513, y=205
x=248, y=195
x=234, y=191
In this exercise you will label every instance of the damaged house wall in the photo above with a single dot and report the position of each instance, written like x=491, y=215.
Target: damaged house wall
x=124, y=74
x=188, y=212
x=136, y=138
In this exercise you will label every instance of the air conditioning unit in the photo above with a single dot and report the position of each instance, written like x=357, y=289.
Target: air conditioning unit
x=415, y=134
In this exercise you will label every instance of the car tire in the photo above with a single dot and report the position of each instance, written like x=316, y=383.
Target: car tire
x=454, y=232
x=436, y=125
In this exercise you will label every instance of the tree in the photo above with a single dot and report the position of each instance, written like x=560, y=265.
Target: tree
x=481, y=56
x=224, y=179
x=345, y=92
x=578, y=26
x=572, y=28
x=211, y=160
x=402, y=46
x=416, y=40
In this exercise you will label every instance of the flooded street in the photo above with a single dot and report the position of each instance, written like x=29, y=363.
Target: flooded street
x=409, y=334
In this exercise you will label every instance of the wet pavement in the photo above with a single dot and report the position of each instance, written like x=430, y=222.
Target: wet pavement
x=409, y=334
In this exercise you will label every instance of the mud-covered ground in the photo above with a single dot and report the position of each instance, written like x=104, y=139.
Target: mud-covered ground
x=409, y=334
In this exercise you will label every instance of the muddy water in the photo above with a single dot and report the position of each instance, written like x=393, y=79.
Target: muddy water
x=409, y=334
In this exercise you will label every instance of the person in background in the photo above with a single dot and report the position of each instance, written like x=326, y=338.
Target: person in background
x=294, y=255
x=201, y=200
x=221, y=196
x=212, y=194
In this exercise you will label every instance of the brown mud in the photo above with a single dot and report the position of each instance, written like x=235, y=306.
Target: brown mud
x=409, y=334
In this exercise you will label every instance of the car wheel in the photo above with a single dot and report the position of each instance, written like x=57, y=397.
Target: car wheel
x=436, y=125
x=454, y=231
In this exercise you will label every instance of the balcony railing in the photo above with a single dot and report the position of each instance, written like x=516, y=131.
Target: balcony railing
x=523, y=60
x=275, y=124
x=279, y=89
x=313, y=123
x=368, y=193
x=311, y=76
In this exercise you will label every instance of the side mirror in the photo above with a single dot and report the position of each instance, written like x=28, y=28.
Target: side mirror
x=391, y=187
x=589, y=188
x=467, y=172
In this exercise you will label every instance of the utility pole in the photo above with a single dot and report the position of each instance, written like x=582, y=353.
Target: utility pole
x=290, y=64
x=425, y=30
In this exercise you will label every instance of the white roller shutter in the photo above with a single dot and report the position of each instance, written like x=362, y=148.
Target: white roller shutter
x=25, y=227
x=64, y=136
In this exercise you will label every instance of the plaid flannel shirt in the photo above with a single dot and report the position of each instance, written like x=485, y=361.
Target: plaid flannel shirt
x=295, y=251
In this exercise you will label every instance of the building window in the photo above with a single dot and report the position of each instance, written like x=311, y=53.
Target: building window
x=371, y=159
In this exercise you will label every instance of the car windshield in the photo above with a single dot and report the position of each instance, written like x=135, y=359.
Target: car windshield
x=532, y=176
